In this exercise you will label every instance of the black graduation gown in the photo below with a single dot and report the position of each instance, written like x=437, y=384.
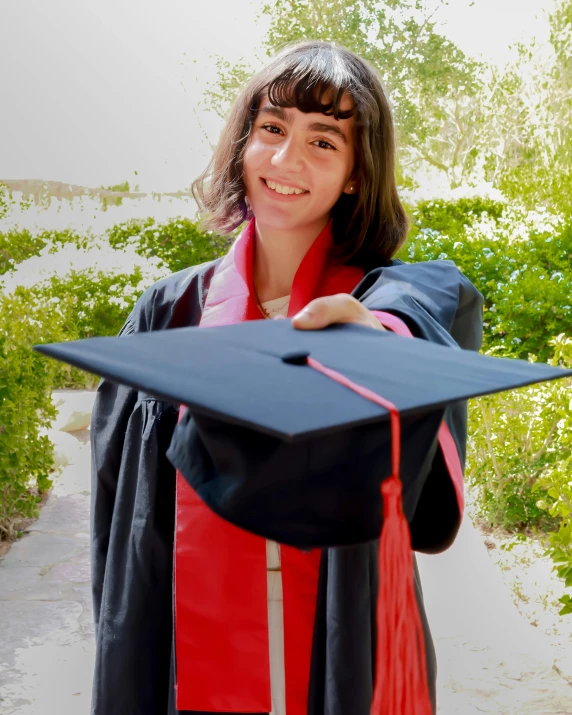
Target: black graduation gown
x=133, y=510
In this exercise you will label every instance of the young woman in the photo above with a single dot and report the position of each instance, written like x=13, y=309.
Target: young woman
x=306, y=161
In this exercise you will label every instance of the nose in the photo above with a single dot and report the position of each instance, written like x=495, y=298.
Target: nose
x=287, y=155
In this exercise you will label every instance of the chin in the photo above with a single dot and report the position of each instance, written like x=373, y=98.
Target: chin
x=281, y=219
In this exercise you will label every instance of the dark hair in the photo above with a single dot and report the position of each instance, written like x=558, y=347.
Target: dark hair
x=368, y=226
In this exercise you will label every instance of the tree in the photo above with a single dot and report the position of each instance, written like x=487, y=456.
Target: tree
x=534, y=115
x=423, y=73
x=458, y=119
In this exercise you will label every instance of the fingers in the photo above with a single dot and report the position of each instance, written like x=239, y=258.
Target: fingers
x=322, y=312
x=340, y=308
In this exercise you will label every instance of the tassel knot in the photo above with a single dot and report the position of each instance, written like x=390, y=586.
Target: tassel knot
x=391, y=490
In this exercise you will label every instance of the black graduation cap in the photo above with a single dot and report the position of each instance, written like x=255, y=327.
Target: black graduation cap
x=275, y=446
x=312, y=439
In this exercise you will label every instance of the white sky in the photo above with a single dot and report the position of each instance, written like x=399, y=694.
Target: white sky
x=93, y=90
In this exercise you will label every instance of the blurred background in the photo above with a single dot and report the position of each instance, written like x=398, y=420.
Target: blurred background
x=108, y=112
x=124, y=92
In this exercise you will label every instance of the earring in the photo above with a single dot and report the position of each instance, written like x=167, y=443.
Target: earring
x=352, y=188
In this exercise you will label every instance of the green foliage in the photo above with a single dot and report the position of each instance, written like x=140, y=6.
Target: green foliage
x=16, y=245
x=452, y=217
x=89, y=303
x=566, y=602
x=519, y=459
x=512, y=439
x=25, y=406
x=178, y=243
x=231, y=77
x=533, y=111
x=95, y=301
x=555, y=481
x=520, y=443
x=5, y=201
x=80, y=304
x=519, y=260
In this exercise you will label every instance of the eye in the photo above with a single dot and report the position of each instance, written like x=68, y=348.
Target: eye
x=328, y=145
x=270, y=127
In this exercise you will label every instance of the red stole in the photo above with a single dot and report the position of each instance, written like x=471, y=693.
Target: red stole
x=221, y=610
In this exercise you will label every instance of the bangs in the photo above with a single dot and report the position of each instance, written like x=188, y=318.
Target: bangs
x=312, y=82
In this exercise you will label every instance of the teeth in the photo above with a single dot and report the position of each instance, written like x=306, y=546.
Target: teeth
x=283, y=189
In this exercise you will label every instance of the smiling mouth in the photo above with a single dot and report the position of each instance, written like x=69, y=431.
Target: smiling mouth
x=283, y=190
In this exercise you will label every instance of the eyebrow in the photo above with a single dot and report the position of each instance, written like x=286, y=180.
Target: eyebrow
x=313, y=127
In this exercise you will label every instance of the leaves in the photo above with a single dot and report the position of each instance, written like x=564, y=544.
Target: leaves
x=518, y=259
x=457, y=119
x=519, y=453
x=16, y=245
x=26, y=407
x=566, y=601
x=68, y=305
x=177, y=243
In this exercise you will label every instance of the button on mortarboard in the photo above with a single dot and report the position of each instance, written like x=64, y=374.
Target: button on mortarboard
x=296, y=357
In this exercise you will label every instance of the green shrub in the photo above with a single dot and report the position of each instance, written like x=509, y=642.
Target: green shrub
x=90, y=303
x=26, y=379
x=179, y=243
x=512, y=440
x=556, y=479
x=452, y=217
x=519, y=454
x=519, y=459
x=78, y=304
x=16, y=245
x=519, y=260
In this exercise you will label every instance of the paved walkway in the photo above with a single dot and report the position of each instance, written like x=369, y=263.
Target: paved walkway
x=46, y=631
x=490, y=659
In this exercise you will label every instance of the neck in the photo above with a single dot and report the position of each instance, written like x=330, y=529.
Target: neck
x=277, y=256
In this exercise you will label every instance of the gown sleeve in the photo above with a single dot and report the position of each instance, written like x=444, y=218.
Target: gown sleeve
x=133, y=517
x=111, y=411
x=436, y=302
x=132, y=523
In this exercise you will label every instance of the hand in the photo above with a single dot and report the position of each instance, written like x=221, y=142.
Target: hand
x=340, y=308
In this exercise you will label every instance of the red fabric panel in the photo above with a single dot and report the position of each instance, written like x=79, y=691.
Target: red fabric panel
x=221, y=613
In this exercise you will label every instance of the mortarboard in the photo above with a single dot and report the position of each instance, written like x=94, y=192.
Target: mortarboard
x=303, y=436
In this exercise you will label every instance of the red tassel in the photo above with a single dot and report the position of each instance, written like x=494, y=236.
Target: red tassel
x=401, y=679
x=401, y=674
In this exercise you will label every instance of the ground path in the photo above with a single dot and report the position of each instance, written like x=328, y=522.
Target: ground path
x=490, y=659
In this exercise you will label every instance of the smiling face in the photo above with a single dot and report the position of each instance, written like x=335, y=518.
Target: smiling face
x=296, y=165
